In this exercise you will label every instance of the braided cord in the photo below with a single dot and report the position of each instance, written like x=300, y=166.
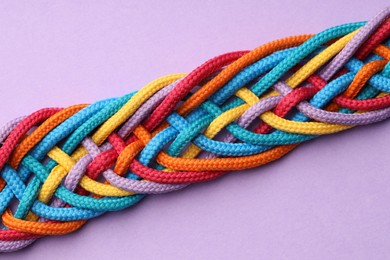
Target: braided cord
x=63, y=166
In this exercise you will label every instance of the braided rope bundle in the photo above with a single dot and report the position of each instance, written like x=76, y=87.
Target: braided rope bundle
x=63, y=166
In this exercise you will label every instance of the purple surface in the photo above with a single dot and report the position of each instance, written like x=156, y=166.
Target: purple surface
x=326, y=200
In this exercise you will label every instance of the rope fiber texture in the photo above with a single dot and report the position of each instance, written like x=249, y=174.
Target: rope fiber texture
x=62, y=166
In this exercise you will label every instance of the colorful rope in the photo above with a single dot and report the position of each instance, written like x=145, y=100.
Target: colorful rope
x=61, y=167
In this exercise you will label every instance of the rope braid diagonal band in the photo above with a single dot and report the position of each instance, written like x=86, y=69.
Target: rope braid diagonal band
x=62, y=166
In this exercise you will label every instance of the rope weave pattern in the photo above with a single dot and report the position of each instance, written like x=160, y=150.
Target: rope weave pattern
x=63, y=166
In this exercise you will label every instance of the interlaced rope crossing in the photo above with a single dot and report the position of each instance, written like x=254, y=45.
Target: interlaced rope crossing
x=63, y=166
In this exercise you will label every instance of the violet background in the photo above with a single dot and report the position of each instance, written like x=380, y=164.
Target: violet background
x=326, y=200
